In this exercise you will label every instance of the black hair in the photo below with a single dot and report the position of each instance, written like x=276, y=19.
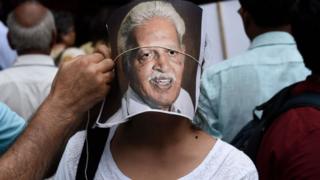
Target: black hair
x=306, y=31
x=98, y=28
x=270, y=13
x=64, y=21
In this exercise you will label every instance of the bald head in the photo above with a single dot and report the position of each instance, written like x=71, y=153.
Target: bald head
x=30, y=14
x=31, y=28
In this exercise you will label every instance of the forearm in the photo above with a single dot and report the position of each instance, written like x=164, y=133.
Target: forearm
x=79, y=85
x=36, y=149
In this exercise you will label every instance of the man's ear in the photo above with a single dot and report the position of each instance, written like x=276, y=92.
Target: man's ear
x=10, y=41
x=246, y=17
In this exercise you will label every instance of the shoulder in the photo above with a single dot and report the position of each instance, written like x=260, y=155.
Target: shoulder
x=11, y=126
x=5, y=75
x=216, y=75
x=229, y=63
x=298, y=122
x=4, y=109
x=233, y=162
x=74, y=146
x=69, y=162
x=289, y=145
x=243, y=60
x=8, y=116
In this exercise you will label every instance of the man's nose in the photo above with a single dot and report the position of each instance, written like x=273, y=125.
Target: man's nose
x=162, y=63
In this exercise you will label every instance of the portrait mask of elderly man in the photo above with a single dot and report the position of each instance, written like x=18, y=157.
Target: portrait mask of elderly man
x=152, y=57
x=155, y=72
x=155, y=69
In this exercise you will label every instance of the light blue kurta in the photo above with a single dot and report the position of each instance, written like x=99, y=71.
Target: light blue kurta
x=11, y=125
x=230, y=90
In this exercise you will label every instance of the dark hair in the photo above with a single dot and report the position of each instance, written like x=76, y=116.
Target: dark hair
x=270, y=13
x=306, y=31
x=64, y=21
x=98, y=29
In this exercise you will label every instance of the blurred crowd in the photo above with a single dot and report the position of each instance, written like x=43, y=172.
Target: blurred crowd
x=40, y=62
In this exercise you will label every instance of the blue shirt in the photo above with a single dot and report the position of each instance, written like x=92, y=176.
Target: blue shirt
x=231, y=89
x=11, y=125
x=7, y=55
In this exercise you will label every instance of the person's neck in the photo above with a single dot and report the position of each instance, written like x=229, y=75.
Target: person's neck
x=316, y=77
x=59, y=46
x=27, y=52
x=159, y=141
x=164, y=130
x=256, y=31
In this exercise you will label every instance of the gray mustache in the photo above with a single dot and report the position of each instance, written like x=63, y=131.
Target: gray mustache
x=159, y=75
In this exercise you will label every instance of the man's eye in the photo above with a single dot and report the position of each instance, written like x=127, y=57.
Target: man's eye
x=172, y=53
x=145, y=56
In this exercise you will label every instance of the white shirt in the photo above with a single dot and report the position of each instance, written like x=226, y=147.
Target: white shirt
x=132, y=105
x=222, y=162
x=25, y=85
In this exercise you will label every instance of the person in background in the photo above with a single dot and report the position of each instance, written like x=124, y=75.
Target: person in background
x=290, y=147
x=11, y=126
x=71, y=53
x=7, y=54
x=66, y=34
x=230, y=90
x=32, y=33
x=98, y=31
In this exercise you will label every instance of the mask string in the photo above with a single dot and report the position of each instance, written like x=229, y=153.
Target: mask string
x=87, y=127
x=100, y=112
x=87, y=147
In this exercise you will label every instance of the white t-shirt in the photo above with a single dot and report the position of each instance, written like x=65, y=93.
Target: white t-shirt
x=222, y=162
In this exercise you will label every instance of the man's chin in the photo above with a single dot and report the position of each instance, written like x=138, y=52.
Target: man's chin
x=161, y=87
x=160, y=102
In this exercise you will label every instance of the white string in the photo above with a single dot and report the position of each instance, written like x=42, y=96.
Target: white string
x=132, y=49
x=87, y=145
x=100, y=111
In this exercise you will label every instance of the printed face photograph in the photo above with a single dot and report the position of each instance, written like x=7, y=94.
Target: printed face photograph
x=156, y=69
x=156, y=58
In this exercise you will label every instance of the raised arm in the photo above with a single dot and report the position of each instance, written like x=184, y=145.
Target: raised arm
x=79, y=85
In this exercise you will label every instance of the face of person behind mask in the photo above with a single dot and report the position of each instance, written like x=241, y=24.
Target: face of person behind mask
x=156, y=73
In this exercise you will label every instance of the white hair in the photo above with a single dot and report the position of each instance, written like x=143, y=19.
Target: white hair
x=37, y=37
x=143, y=12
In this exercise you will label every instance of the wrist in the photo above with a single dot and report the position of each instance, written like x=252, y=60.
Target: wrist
x=63, y=112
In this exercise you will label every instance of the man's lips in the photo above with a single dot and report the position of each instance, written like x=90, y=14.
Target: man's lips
x=162, y=82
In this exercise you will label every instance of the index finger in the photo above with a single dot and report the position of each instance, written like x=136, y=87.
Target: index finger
x=95, y=57
x=105, y=66
x=104, y=50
